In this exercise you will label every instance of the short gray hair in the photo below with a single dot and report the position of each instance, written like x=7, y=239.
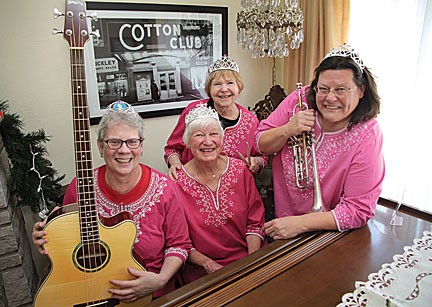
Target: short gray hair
x=199, y=123
x=113, y=118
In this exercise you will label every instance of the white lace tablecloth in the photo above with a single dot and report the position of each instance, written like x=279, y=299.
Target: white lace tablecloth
x=407, y=281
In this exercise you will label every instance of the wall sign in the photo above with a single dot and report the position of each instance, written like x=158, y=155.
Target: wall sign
x=153, y=56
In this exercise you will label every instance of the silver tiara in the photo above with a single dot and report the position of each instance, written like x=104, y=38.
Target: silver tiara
x=224, y=64
x=120, y=106
x=201, y=111
x=346, y=50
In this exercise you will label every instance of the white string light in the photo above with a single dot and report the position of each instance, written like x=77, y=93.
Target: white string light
x=43, y=214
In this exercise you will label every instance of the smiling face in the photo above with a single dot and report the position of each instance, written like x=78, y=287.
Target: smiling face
x=224, y=89
x=205, y=141
x=123, y=161
x=336, y=109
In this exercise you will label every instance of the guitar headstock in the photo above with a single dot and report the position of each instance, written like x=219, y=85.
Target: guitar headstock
x=75, y=26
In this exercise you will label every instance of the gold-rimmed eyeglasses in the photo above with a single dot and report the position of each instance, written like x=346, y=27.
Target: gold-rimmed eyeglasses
x=339, y=91
x=130, y=143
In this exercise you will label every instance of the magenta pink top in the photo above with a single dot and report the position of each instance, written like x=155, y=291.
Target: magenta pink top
x=161, y=225
x=235, y=137
x=350, y=166
x=220, y=221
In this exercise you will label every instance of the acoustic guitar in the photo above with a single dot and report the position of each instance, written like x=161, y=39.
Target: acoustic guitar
x=85, y=251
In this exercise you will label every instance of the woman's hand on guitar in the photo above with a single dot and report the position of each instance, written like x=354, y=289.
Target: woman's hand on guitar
x=39, y=233
x=132, y=290
x=38, y=237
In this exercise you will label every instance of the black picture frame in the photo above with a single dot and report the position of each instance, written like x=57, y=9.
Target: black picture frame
x=142, y=44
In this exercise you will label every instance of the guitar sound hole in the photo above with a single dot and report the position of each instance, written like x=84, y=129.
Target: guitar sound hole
x=91, y=257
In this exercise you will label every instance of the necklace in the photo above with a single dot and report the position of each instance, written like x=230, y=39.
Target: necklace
x=211, y=175
x=197, y=171
x=207, y=175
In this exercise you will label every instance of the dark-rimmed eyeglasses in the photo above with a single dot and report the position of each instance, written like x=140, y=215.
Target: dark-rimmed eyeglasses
x=339, y=91
x=130, y=143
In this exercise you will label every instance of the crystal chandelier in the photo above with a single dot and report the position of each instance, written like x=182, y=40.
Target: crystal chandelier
x=267, y=27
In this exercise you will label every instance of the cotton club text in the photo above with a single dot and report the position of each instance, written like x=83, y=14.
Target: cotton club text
x=136, y=36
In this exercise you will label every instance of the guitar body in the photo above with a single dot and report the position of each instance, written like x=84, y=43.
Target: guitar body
x=77, y=280
x=85, y=254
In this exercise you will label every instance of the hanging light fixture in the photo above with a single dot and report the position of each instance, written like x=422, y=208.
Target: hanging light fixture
x=270, y=27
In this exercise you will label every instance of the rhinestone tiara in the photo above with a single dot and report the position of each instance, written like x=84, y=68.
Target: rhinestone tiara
x=224, y=63
x=201, y=111
x=120, y=106
x=346, y=50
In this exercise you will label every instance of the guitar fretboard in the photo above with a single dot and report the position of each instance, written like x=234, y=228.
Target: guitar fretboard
x=83, y=155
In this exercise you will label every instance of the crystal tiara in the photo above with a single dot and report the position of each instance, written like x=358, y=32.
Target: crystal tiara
x=201, y=111
x=346, y=50
x=120, y=106
x=224, y=63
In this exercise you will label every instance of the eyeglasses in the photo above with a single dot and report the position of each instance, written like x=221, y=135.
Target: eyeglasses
x=130, y=143
x=339, y=91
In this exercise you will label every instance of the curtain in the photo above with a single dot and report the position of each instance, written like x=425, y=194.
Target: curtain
x=326, y=25
x=397, y=46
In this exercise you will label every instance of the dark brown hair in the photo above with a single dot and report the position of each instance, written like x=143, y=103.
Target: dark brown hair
x=369, y=104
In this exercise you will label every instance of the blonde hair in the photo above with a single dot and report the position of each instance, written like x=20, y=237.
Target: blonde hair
x=227, y=74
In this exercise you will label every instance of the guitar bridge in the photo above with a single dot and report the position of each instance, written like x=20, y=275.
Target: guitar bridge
x=105, y=303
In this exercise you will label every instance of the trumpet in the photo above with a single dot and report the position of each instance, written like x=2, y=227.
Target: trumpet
x=303, y=145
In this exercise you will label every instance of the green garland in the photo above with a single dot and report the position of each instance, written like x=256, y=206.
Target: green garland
x=24, y=181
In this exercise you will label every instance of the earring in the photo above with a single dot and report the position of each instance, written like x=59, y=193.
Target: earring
x=101, y=155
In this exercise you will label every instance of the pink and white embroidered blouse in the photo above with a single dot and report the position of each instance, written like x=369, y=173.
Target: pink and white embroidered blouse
x=161, y=225
x=235, y=137
x=350, y=166
x=220, y=221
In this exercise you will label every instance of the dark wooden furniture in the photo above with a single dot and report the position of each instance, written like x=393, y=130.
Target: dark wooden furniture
x=270, y=102
x=314, y=269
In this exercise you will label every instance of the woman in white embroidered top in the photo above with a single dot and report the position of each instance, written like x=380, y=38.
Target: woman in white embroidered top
x=223, y=208
x=223, y=86
x=343, y=103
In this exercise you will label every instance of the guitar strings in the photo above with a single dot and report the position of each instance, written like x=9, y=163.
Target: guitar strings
x=81, y=153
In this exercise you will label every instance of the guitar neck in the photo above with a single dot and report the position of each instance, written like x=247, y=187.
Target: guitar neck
x=83, y=153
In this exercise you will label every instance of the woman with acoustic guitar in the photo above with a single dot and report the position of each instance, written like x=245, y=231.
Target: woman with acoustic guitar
x=162, y=243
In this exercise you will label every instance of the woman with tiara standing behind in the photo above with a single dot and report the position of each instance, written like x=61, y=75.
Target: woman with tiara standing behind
x=223, y=86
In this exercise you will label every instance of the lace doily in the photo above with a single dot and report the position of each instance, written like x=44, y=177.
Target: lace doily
x=405, y=282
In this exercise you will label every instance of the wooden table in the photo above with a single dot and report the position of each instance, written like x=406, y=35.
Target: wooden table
x=314, y=269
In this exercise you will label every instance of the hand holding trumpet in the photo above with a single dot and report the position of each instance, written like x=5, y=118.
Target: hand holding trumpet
x=303, y=121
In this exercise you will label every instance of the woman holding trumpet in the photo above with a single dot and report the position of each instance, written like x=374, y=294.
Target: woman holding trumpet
x=340, y=128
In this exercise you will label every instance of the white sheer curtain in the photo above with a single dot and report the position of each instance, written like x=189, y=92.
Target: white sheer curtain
x=394, y=38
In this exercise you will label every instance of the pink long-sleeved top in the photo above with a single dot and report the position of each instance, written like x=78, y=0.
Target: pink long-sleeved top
x=220, y=220
x=235, y=137
x=161, y=224
x=350, y=166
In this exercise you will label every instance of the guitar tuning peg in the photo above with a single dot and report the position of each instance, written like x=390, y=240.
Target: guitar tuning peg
x=56, y=31
x=95, y=33
x=57, y=13
x=93, y=16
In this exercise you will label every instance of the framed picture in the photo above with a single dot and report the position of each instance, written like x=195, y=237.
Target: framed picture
x=153, y=56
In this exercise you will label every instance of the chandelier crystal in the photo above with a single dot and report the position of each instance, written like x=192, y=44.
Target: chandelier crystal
x=270, y=27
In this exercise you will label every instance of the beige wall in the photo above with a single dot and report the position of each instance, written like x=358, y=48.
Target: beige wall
x=35, y=77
